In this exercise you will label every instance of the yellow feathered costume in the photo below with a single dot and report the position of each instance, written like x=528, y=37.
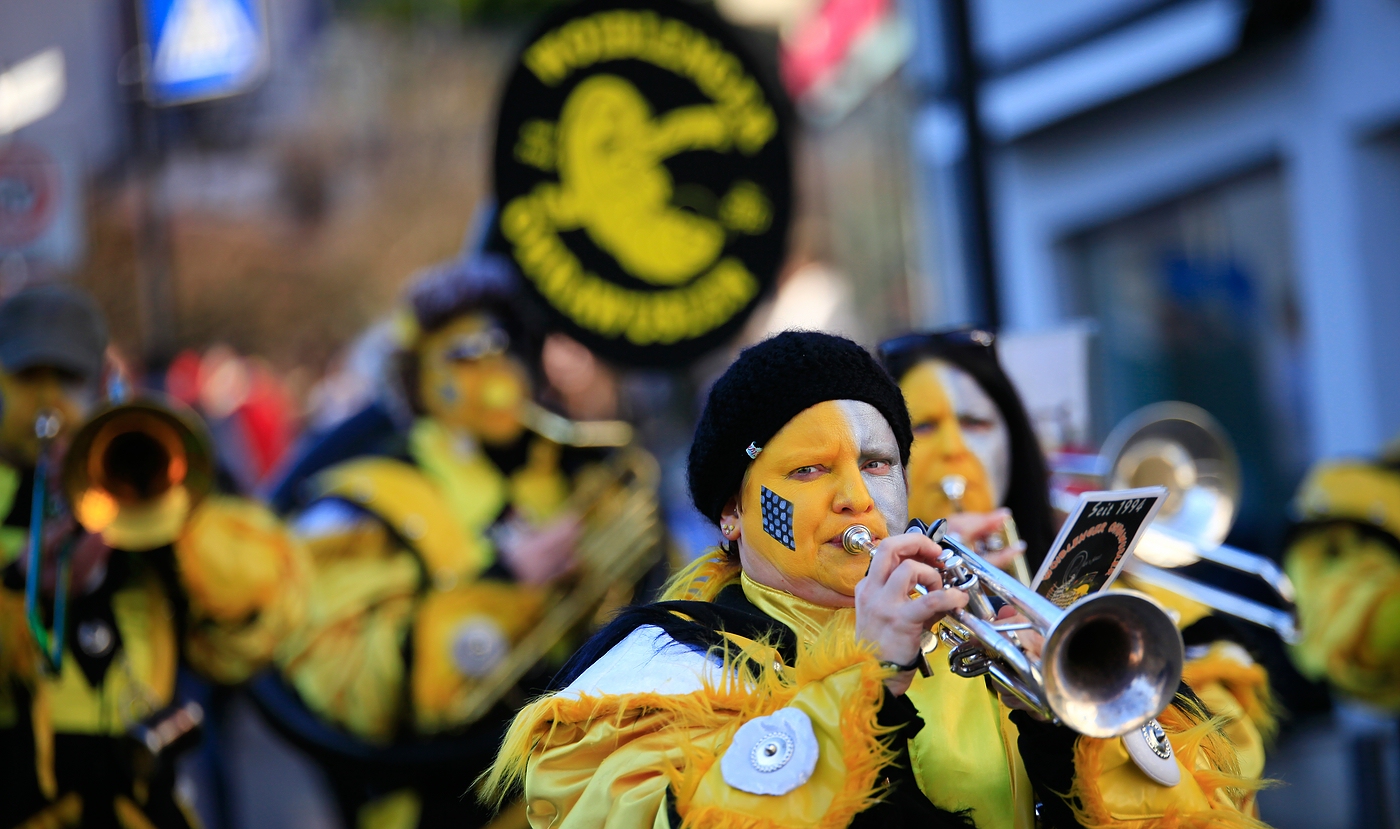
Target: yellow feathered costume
x=639, y=737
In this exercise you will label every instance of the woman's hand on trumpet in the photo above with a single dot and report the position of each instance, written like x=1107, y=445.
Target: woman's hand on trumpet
x=890, y=614
x=974, y=528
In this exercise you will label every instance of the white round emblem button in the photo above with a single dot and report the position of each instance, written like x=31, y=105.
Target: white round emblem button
x=771, y=755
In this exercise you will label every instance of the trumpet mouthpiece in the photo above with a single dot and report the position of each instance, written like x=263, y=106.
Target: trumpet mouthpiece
x=857, y=540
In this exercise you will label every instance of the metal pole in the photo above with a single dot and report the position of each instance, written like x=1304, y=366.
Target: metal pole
x=965, y=76
x=155, y=280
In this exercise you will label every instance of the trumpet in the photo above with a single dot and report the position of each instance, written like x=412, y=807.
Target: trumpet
x=1181, y=447
x=132, y=473
x=1111, y=662
x=136, y=470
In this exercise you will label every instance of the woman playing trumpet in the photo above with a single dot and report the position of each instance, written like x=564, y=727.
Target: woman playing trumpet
x=781, y=690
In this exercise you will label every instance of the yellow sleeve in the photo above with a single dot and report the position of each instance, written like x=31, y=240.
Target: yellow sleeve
x=347, y=661
x=460, y=636
x=1348, y=611
x=246, y=578
x=1111, y=791
x=627, y=761
x=1346, y=565
x=1233, y=686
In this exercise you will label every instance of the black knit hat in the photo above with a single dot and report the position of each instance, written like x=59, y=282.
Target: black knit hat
x=770, y=384
x=55, y=326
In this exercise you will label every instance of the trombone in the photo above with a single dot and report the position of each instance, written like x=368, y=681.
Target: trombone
x=132, y=473
x=1111, y=662
x=1181, y=447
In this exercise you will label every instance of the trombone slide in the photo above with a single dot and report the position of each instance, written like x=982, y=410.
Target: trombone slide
x=1280, y=621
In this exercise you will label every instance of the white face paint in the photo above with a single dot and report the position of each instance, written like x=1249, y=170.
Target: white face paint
x=983, y=426
x=877, y=442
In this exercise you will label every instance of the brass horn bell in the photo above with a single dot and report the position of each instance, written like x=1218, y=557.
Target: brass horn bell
x=1181, y=447
x=134, y=472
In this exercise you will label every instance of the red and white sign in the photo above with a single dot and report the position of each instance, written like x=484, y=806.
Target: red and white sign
x=842, y=51
x=29, y=194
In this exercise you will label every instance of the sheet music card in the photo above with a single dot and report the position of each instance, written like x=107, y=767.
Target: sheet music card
x=1095, y=541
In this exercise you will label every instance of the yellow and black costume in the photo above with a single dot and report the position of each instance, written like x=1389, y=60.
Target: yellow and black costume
x=416, y=600
x=1346, y=550
x=80, y=745
x=740, y=704
x=943, y=375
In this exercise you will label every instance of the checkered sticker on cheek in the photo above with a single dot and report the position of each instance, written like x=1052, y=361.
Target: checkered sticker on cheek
x=777, y=517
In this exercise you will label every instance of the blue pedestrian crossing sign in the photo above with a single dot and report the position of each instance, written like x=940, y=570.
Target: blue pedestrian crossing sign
x=196, y=50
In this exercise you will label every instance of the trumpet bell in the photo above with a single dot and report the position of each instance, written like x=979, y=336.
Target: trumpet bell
x=1181, y=447
x=1112, y=663
x=135, y=470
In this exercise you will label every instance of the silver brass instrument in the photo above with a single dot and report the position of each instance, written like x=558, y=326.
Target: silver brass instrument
x=1181, y=447
x=623, y=537
x=1111, y=662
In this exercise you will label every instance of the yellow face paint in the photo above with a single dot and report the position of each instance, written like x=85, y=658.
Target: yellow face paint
x=939, y=448
x=834, y=465
x=23, y=396
x=469, y=384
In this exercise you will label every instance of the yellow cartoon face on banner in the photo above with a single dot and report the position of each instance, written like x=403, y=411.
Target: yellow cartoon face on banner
x=643, y=178
x=469, y=383
x=834, y=465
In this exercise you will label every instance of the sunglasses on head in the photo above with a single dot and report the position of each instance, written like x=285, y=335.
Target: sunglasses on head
x=931, y=344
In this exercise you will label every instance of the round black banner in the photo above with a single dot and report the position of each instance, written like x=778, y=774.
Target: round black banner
x=642, y=177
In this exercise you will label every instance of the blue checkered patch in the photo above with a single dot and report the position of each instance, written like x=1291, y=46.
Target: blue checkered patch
x=777, y=517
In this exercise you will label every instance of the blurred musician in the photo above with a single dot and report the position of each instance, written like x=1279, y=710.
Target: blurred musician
x=970, y=422
x=779, y=688
x=1344, y=549
x=437, y=524
x=89, y=720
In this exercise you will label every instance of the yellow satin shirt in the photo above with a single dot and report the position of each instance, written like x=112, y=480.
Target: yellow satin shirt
x=612, y=757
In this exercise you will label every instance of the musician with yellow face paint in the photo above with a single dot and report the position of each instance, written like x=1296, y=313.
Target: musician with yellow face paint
x=438, y=522
x=777, y=685
x=90, y=722
x=940, y=448
x=972, y=436
x=955, y=386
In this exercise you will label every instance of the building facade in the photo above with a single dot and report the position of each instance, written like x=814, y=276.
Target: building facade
x=1213, y=184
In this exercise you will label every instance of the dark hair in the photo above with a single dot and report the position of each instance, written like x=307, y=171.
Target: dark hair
x=974, y=351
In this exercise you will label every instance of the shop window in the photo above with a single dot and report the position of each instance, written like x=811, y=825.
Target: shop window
x=1194, y=300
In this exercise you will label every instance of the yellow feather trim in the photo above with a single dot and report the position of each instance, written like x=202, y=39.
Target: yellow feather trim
x=1247, y=683
x=764, y=686
x=1194, y=736
x=702, y=579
